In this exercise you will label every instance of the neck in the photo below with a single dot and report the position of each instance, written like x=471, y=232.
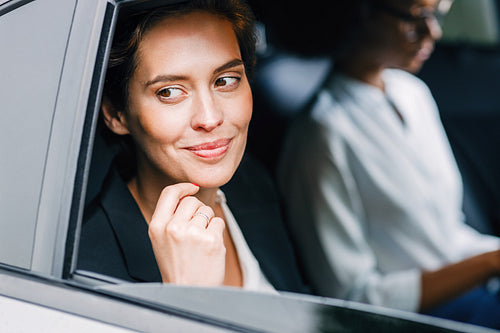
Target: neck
x=362, y=69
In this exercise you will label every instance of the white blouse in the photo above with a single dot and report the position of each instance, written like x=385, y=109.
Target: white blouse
x=373, y=202
x=253, y=278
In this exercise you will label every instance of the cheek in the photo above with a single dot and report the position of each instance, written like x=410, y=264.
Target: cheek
x=246, y=114
x=151, y=124
x=162, y=129
x=244, y=107
x=389, y=38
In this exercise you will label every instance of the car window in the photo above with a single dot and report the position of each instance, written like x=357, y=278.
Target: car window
x=463, y=77
x=472, y=22
x=33, y=47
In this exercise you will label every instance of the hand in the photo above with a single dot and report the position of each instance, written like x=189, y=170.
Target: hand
x=454, y=279
x=189, y=247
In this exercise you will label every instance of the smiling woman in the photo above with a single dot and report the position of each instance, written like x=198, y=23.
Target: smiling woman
x=199, y=92
x=177, y=88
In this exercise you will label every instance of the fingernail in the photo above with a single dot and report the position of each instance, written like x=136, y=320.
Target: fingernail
x=195, y=184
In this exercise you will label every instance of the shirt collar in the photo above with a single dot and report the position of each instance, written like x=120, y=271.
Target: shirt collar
x=367, y=96
x=357, y=89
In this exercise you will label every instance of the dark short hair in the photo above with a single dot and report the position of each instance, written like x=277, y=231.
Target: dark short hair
x=132, y=27
x=320, y=28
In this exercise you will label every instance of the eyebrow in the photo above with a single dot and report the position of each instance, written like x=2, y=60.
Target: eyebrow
x=228, y=65
x=165, y=78
x=170, y=78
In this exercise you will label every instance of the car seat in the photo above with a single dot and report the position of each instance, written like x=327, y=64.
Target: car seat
x=284, y=85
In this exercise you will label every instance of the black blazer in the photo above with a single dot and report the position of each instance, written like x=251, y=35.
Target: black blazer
x=114, y=239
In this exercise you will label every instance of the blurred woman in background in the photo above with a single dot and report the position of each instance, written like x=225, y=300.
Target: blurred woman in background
x=372, y=189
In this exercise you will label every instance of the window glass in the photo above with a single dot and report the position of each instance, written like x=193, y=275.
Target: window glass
x=472, y=22
x=33, y=40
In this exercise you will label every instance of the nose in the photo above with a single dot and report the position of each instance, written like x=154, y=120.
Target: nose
x=207, y=114
x=432, y=28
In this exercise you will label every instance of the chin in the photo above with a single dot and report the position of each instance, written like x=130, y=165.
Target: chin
x=415, y=65
x=412, y=67
x=210, y=178
x=217, y=174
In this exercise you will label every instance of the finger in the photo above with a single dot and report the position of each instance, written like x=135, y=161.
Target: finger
x=170, y=198
x=217, y=225
x=186, y=209
x=203, y=216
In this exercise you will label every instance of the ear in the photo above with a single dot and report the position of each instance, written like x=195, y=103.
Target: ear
x=113, y=118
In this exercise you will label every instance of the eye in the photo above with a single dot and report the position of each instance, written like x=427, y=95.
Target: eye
x=169, y=92
x=227, y=81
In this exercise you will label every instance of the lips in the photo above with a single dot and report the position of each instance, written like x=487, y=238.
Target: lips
x=425, y=52
x=210, y=150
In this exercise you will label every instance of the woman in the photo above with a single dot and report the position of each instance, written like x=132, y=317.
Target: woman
x=177, y=86
x=371, y=168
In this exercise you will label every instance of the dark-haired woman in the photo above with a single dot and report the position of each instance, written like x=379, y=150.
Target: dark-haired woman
x=373, y=192
x=177, y=86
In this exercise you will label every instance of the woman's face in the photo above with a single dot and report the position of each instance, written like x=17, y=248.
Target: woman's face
x=405, y=43
x=190, y=102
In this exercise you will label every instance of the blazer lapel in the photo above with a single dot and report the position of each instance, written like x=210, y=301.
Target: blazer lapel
x=131, y=230
x=255, y=207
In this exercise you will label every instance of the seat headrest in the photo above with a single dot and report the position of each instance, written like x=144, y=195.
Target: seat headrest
x=288, y=82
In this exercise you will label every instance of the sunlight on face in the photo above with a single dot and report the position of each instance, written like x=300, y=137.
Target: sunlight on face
x=190, y=102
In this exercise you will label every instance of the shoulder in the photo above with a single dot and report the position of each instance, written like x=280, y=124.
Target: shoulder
x=318, y=133
x=401, y=76
x=323, y=118
x=99, y=250
x=250, y=183
x=328, y=110
x=96, y=229
x=253, y=200
x=397, y=78
x=412, y=92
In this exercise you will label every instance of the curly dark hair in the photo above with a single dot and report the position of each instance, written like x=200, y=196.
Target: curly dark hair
x=131, y=28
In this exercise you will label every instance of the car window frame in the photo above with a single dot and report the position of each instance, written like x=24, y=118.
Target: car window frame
x=87, y=140
x=56, y=200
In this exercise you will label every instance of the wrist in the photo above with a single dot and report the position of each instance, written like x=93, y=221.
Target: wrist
x=494, y=262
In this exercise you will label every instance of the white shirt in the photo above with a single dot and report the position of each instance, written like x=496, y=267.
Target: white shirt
x=373, y=202
x=253, y=278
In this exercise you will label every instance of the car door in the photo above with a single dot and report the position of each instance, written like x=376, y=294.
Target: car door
x=45, y=84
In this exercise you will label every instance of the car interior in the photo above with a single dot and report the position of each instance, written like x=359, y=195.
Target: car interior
x=461, y=67
x=460, y=75
x=463, y=75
